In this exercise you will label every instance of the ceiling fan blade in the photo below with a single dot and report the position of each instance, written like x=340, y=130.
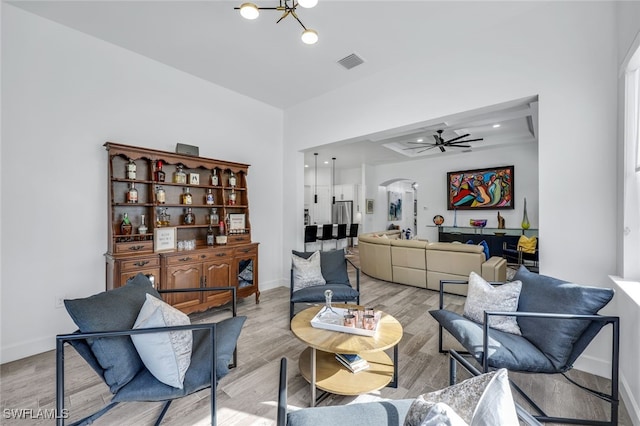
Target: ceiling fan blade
x=426, y=149
x=438, y=140
x=455, y=139
x=420, y=143
x=421, y=146
x=442, y=148
x=468, y=140
x=455, y=145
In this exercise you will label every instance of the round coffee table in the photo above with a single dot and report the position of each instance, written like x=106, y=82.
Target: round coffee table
x=320, y=368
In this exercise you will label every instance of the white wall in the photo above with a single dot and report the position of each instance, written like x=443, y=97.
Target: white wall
x=64, y=94
x=550, y=50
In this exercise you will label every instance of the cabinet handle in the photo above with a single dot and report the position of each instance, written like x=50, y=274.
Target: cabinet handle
x=246, y=250
x=203, y=256
x=141, y=263
x=185, y=259
x=136, y=248
x=221, y=254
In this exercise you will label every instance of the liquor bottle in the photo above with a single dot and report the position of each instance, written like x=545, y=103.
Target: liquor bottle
x=210, y=236
x=189, y=218
x=208, y=198
x=131, y=169
x=125, y=225
x=232, y=179
x=132, y=193
x=142, y=229
x=221, y=227
x=158, y=174
x=232, y=198
x=186, y=197
x=179, y=176
x=213, y=217
x=214, y=177
x=163, y=219
x=161, y=196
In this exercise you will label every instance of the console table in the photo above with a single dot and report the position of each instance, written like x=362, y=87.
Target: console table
x=495, y=237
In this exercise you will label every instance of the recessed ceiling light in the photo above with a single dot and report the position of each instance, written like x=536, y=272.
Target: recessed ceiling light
x=495, y=126
x=326, y=162
x=306, y=165
x=420, y=140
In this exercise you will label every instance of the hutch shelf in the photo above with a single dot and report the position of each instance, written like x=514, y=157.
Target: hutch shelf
x=196, y=214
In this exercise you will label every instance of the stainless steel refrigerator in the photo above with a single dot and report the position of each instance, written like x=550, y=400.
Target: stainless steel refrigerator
x=342, y=212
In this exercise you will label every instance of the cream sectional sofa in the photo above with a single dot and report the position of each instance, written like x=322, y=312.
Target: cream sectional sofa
x=385, y=256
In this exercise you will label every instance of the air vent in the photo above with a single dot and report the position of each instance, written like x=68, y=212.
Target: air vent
x=351, y=61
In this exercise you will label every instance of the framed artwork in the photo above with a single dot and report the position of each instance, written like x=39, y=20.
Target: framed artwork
x=194, y=178
x=480, y=189
x=164, y=239
x=395, y=205
x=236, y=222
x=369, y=206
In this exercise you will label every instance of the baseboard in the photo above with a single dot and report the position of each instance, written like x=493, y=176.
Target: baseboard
x=27, y=348
x=631, y=402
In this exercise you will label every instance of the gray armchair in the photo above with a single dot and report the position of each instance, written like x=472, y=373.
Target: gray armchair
x=105, y=322
x=557, y=320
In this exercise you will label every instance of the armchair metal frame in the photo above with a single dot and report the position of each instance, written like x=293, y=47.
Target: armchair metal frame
x=61, y=339
x=292, y=304
x=613, y=398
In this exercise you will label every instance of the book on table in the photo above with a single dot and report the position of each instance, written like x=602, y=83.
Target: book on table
x=353, y=362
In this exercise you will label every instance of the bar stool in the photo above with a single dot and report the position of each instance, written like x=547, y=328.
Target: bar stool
x=327, y=237
x=310, y=238
x=341, y=237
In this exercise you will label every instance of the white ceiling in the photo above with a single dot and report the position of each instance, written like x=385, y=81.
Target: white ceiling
x=268, y=61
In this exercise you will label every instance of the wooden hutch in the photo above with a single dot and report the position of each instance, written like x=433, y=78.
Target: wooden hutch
x=181, y=255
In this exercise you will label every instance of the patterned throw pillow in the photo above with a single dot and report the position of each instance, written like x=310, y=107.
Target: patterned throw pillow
x=307, y=272
x=166, y=355
x=482, y=296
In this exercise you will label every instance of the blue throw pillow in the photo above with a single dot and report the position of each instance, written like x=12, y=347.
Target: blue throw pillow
x=110, y=311
x=484, y=245
x=556, y=337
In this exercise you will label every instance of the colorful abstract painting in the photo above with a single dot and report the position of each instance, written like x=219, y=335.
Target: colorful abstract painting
x=489, y=188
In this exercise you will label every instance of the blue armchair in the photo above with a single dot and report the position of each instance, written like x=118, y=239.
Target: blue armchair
x=105, y=322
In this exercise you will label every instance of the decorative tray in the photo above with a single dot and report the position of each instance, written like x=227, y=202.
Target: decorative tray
x=317, y=322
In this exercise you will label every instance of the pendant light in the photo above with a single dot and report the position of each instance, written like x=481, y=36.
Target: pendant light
x=333, y=180
x=315, y=188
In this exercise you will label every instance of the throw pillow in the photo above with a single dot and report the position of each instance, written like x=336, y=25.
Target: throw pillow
x=541, y=293
x=442, y=415
x=307, y=272
x=166, y=355
x=108, y=311
x=485, y=247
x=527, y=245
x=333, y=265
x=482, y=296
x=480, y=401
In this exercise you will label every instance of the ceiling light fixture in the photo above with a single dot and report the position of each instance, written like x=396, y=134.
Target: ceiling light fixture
x=495, y=126
x=315, y=188
x=333, y=180
x=287, y=7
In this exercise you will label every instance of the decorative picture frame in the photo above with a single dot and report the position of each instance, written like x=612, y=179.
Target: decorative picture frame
x=490, y=188
x=369, y=206
x=194, y=179
x=164, y=239
x=236, y=222
x=395, y=205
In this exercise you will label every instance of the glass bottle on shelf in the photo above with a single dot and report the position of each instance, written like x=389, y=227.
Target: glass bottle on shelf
x=210, y=235
x=186, y=197
x=163, y=219
x=125, y=225
x=213, y=217
x=189, y=218
x=132, y=193
x=232, y=178
x=232, y=198
x=161, y=196
x=221, y=227
x=131, y=169
x=214, y=177
x=142, y=229
x=158, y=174
x=208, y=198
x=179, y=176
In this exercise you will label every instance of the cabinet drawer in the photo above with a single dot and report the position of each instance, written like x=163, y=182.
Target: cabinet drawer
x=199, y=256
x=140, y=263
x=246, y=251
x=239, y=239
x=135, y=247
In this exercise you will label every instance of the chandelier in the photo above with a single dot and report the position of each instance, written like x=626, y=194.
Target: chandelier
x=288, y=8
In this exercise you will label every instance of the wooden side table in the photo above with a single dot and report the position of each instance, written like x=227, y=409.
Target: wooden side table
x=320, y=368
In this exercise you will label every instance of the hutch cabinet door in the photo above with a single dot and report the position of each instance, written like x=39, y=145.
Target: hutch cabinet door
x=246, y=269
x=217, y=274
x=183, y=276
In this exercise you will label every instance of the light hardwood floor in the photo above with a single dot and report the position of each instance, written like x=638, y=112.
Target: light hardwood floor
x=248, y=395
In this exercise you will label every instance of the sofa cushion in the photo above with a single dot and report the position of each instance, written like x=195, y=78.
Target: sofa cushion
x=506, y=350
x=541, y=293
x=109, y=311
x=332, y=264
x=341, y=293
x=378, y=413
x=306, y=271
x=166, y=355
x=482, y=296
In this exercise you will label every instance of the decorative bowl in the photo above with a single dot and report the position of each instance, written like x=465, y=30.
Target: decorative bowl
x=478, y=223
x=438, y=220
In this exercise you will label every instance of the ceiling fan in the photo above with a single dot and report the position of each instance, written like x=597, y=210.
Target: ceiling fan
x=441, y=143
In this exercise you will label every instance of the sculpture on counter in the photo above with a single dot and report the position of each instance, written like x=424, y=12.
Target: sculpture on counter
x=500, y=221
